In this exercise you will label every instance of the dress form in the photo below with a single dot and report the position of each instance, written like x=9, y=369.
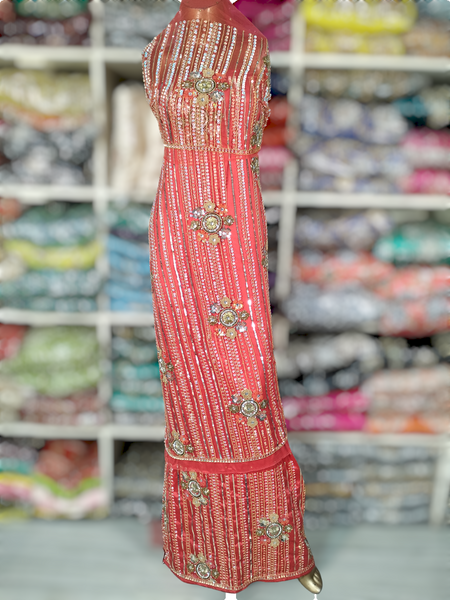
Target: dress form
x=225, y=12
x=231, y=481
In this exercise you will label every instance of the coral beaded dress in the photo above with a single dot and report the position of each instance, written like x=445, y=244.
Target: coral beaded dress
x=233, y=497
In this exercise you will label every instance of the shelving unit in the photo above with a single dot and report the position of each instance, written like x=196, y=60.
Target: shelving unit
x=100, y=61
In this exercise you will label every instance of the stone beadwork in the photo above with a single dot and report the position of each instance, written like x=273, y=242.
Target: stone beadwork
x=166, y=369
x=254, y=165
x=228, y=317
x=179, y=444
x=211, y=222
x=196, y=487
x=249, y=407
x=205, y=87
x=256, y=139
x=205, y=569
x=274, y=530
x=265, y=258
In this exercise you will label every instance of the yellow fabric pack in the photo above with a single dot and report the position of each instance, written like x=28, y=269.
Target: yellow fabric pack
x=370, y=16
x=54, y=257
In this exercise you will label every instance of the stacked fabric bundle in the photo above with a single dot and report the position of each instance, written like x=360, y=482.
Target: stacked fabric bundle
x=42, y=22
x=129, y=285
x=274, y=155
x=340, y=285
x=272, y=18
x=53, y=377
x=136, y=146
x=56, y=249
x=331, y=383
x=351, y=484
x=409, y=400
x=134, y=25
x=46, y=132
x=59, y=481
x=137, y=394
x=381, y=27
x=353, y=143
x=138, y=481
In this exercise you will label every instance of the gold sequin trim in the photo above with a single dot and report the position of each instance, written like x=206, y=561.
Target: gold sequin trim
x=214, y=149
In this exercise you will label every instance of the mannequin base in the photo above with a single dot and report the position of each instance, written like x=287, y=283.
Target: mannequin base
x=312, y=581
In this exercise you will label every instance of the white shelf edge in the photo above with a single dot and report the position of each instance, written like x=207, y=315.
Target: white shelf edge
x=41, y=193
x=361, y=437
x=156, y=433
x=373, y=62
x=42, y=431
x=48, y=55
x=30, y=317
x=394, y=201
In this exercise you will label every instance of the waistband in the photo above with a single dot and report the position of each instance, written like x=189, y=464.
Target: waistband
x=230, y=466
x=239, y=151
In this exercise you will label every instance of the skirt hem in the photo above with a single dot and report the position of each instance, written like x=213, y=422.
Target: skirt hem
x=228, y=590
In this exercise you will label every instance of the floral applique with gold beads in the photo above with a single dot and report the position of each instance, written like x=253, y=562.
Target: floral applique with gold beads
x=210, y=221
x=205, y=86
x=273, y=530
x=248, y=405
x=196, y=487
x=179, y=444
x=228, y=317
x=166, y=369
x=205, y=569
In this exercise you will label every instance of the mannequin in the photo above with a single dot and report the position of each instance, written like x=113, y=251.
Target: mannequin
x=233, y=497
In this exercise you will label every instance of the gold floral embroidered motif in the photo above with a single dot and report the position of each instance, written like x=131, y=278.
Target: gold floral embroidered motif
x=254, y=165
x=265, y=258
x=179, y=444
x=268, y=94
x=274, y=530
x=210, y=221
x=165, y=368
x=196, y=487
x=256, y=139
x=203, y=568
x=228, y=317
x=248, y=405
x=205, y=86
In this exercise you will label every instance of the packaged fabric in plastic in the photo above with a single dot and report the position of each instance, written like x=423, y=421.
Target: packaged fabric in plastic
x=134, y=25
x=427, y=242
x=375, y=124
x=355, y=230
x=382, y=16
x=45, y=101
x=56, y=223
x=54, y=257
x=129, y=222
x=380, y=86
x=56, y=361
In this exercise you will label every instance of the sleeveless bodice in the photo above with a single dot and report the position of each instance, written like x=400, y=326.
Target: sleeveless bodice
x=208, y=85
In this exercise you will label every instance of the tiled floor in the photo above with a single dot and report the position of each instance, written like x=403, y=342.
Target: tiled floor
x=111, y=560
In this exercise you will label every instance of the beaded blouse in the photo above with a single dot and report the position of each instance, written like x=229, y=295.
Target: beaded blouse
x=216, y=86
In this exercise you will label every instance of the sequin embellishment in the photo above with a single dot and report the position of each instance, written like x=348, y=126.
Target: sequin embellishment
x=248, y=405
x=165, y=369
x=196, y=487
x=210, y=223
x=206, y=86
x=228, y=317
x=203, y=568
x=179, y=444
x=254, y=165
x=265, y=258
x=274, y=530
x=256, y=139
